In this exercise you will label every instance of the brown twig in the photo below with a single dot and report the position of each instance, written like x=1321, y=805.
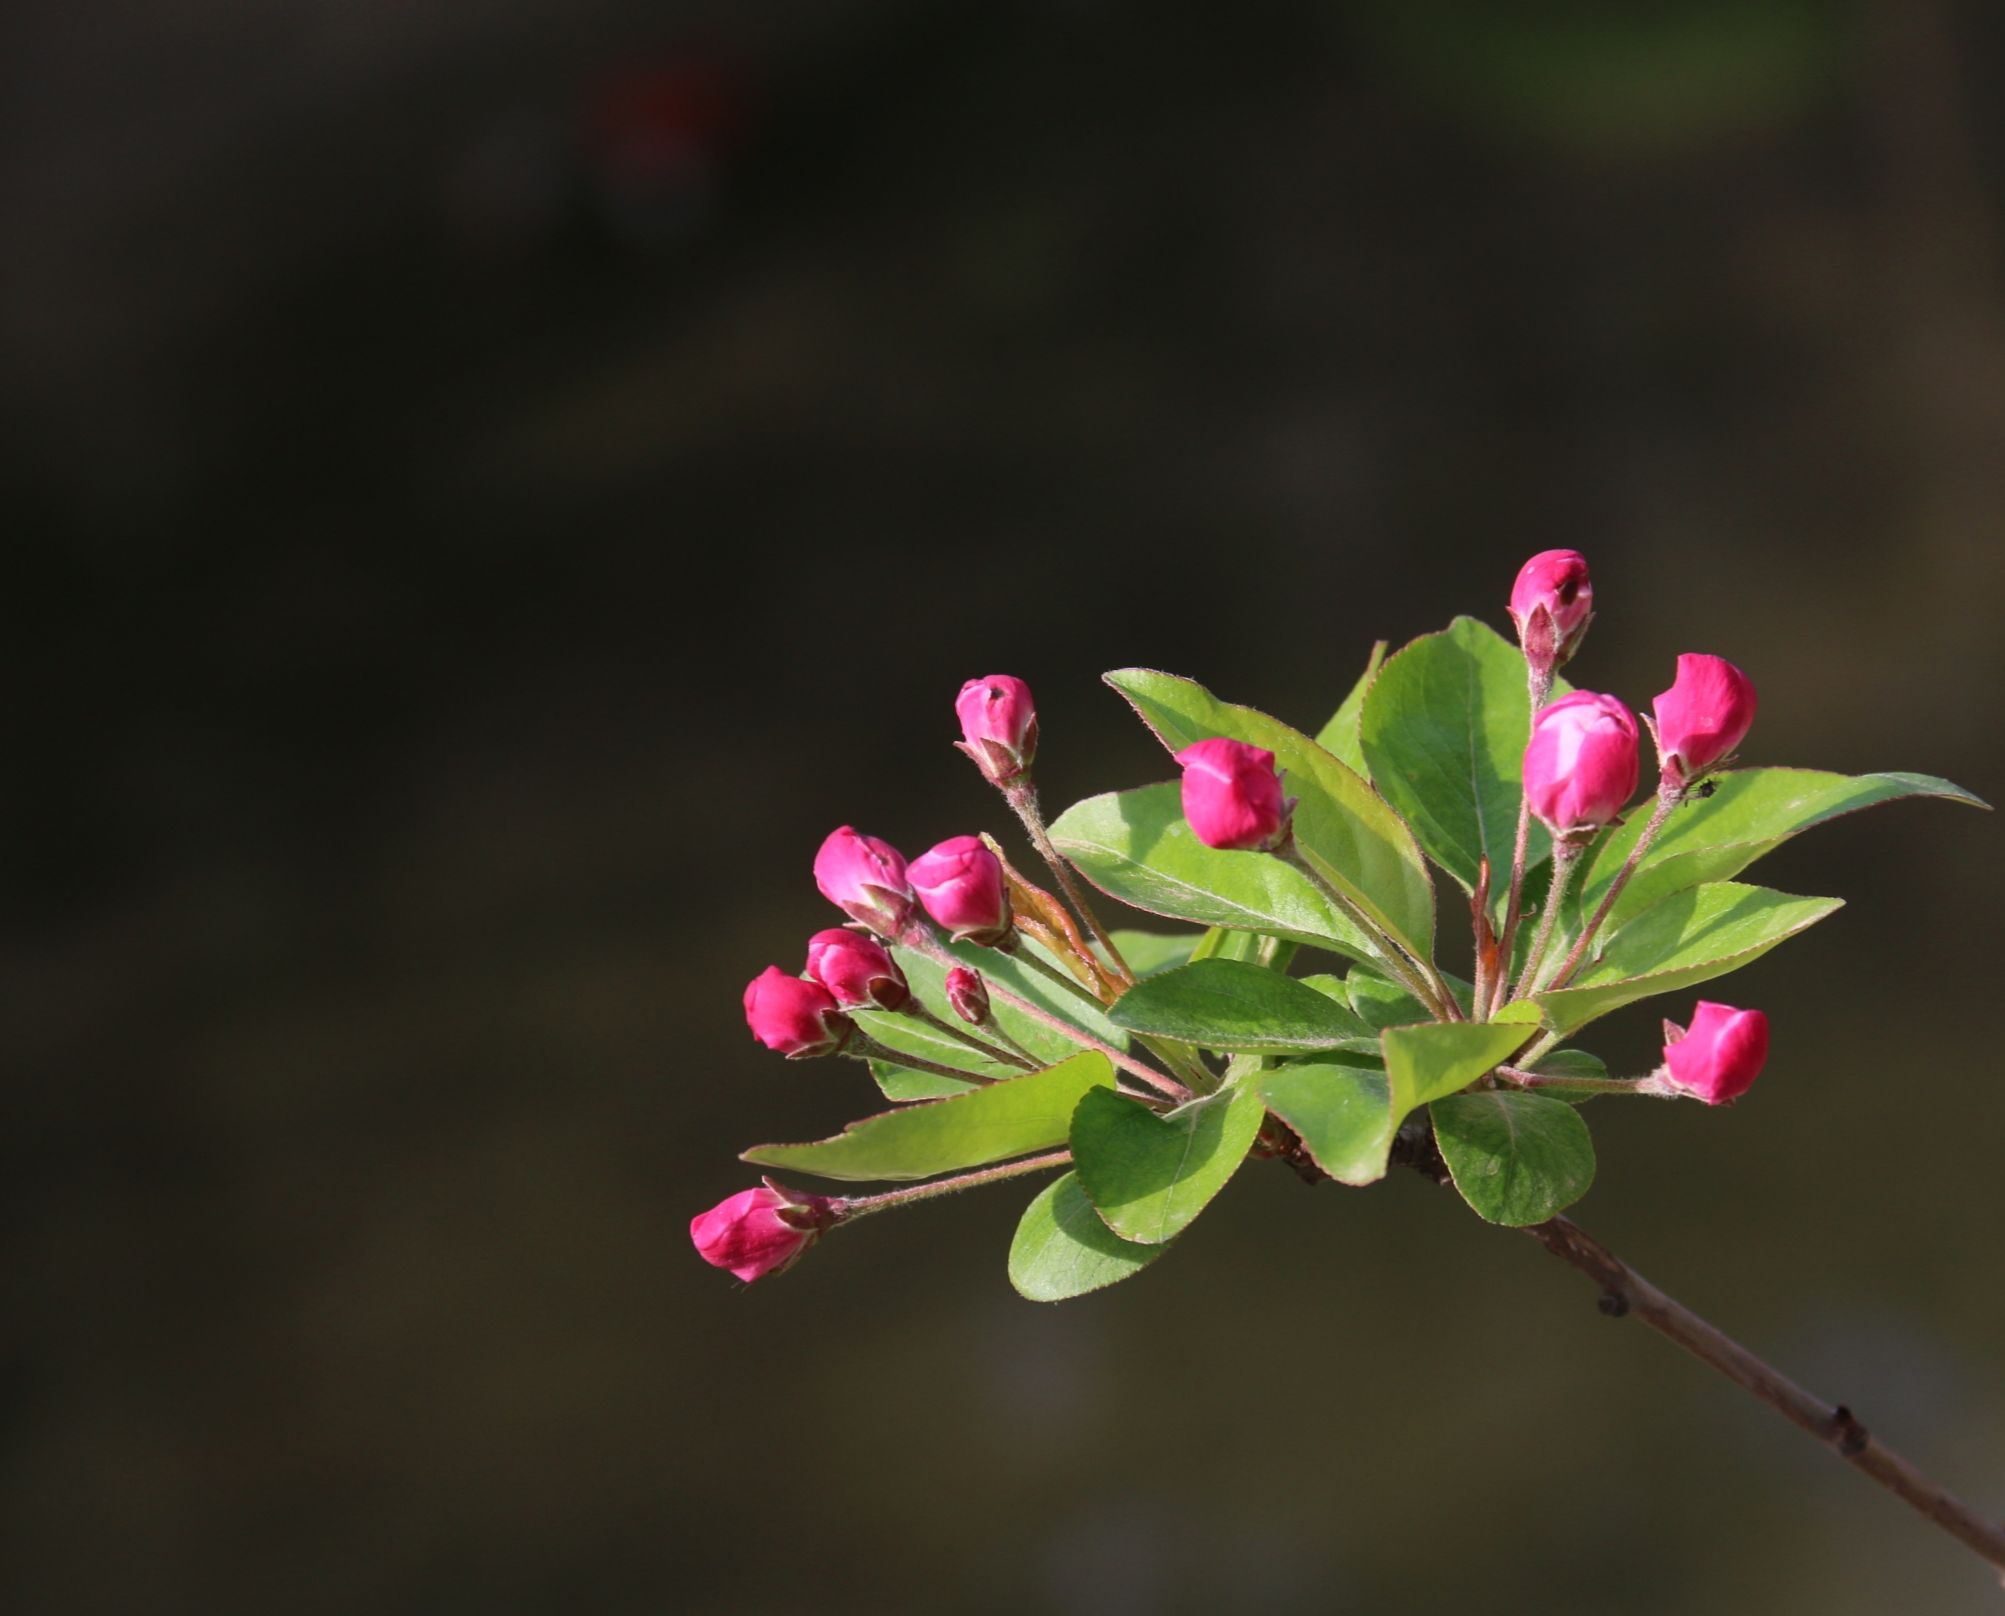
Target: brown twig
x=1626, y=1292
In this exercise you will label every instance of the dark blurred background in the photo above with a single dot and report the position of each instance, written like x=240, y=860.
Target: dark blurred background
x=490, y=485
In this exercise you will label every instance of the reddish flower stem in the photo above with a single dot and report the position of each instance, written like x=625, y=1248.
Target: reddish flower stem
x=995, y=1052
x=865, y=1048
x=1668, y=797
x=1021, y=795
x=917, y=937
x=1538, y=690
x=859, y=1206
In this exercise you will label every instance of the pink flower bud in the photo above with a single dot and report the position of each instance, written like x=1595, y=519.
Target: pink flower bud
x=998, y=726
x=759, y=1232
x=1581, y=763
x=1232, y=795
x=1720, y=1057
x=1551, y=604
x=797, y=1019
x=865, y=879
x=858, y=970
x=1703, y=716
x=968, y=995
x=961, y=884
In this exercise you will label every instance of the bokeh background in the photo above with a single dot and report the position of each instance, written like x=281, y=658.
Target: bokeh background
x=488, y=486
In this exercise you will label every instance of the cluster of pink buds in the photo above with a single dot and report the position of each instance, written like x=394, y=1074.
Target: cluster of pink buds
x=960, y=885
x=1581, y=764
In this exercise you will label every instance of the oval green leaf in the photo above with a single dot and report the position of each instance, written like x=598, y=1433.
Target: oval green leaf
x=1517, y=1159
x=1148, y=1175
x=1062, y=1249
x=1749, y=813
x=1342, y=1115
x=1137, y=847
x=1013, y=1118
x=1444, y=728
x=1227, y=1004
x=1435, y=1059
x=1688, y=938
x=1339, y=737
x=1148, y=952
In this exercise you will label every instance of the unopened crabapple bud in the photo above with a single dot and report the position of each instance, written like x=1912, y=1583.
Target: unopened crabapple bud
x=1719, y=1056
x=793, y=1017
x=1551, y=603
x=1705, y=714
x=961, y=885
x=865, y=879
x=760, y=1231
x=1581, y=763
x=858, y=970
x=968, y=995
x=998, y=726
x=1232, y=796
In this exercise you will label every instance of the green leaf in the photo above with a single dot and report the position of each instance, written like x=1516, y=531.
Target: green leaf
x=928, y=980
x=1381, y=1002
x=1255, y=947
x=1013, y=1118
x=1444, y=729
x=1230, y=1005
x=1425, y=1063
x=1342, y=827
x=1571, y=1063
x=906, y=1083
x=1148, y=952
x=1342, y=1115
x=1137, y=847
x=1516, y=1158
x=905, y=1034
x=1688, y=938
x=1339, y=737
x=1149, y=1175
x=1062, y=1249
x=1750, y=812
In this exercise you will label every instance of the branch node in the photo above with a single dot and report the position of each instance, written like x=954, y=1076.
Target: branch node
x=1614, y=1304
x=1847, y=1433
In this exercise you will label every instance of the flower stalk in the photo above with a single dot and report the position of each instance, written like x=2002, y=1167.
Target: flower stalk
x=861, y=1206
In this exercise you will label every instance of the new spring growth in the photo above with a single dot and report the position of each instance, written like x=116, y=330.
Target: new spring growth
x=793, y=1017
x=1232, y=796
x=760, y=1231
x=960, y=884
x=1551, y=605
x=968, y=995
x=865, y=878
x=998, y=726
x=1718, y=1058
x=1699, y=721
x=1581, y=763
x=858, y=970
